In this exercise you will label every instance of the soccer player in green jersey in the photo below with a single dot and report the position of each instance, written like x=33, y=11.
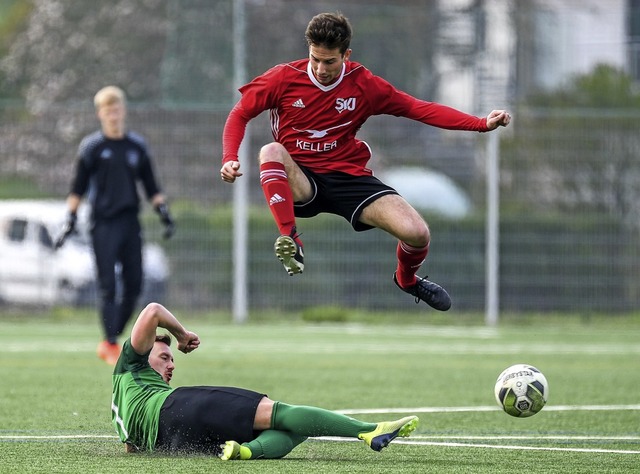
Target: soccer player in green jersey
x=233, y=423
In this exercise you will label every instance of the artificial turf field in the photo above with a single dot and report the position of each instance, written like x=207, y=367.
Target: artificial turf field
x=55, y=393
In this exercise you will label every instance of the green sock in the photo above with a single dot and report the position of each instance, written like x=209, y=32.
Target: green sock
x=271, y=444
x=312, y=421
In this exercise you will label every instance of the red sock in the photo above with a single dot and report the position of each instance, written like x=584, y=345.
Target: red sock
x=273, y=179
x=409, y=261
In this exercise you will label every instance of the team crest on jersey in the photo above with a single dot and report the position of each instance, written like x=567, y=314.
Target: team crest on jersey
x=132, y=158
x=345, y=104
x=106, y=154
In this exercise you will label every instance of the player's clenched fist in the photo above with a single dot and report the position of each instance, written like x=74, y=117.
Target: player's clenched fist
x=498, y=118
x=229, y=171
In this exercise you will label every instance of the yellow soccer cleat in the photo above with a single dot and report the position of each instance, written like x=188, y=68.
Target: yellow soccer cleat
x=232, y=450
x=387, y=431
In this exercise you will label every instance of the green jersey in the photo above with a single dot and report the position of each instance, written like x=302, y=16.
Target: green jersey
x=138, y=394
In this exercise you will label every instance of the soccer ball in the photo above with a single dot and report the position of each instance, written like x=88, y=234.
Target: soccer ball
x=521, y=390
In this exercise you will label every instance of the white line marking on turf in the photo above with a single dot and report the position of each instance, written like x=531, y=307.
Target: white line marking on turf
x=529, y=438
x=525, y=448
x=19, y=436
x=491, y=446
x=374, y=411
x=405, y=346
x=416, y=442
x=56, y=346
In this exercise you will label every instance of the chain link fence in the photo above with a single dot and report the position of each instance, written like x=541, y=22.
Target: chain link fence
x=569, y=182
x=568, y=229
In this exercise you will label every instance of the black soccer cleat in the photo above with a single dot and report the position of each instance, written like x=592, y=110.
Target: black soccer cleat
x=429, y=292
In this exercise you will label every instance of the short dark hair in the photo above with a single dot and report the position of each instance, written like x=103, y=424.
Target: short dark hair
x=329, y=30
x=164, y=338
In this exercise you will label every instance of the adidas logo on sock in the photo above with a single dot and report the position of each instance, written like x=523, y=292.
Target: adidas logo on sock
x=275, y=199
x=298, y=103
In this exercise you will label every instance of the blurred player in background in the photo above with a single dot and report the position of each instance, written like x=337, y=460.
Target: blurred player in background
x=316, y=164
x=109, y=165
x=230, y=422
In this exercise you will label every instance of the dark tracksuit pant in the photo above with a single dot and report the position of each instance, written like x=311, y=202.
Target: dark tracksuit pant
x=118, y=240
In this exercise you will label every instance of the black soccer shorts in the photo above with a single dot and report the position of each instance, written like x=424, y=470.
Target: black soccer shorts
x=342, y=194
x=200, y=419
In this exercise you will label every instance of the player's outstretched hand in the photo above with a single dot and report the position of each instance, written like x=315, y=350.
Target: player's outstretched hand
x=230, y=171
x=498, y=118
x=190, y=342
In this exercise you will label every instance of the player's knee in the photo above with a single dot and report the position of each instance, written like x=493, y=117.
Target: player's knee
x=264, y=414
x=108, y=294
x=421, y=236
x=107, y=288
x=426, y=235
x=273, y=151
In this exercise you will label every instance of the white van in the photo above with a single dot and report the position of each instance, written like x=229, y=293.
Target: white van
x=33, y=272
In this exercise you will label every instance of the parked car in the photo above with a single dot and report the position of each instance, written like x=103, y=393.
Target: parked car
x=33, y=272
x=428, y=190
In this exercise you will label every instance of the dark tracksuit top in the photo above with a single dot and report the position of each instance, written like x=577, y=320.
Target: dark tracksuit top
x=108, y=172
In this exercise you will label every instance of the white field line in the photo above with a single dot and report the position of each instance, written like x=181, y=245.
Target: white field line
x=531, y=437
x=408, y=346
x=417, y=441
x=373, y=411
x=413, y=442
x=17, y=437
x=517, y=447
x=413, y=437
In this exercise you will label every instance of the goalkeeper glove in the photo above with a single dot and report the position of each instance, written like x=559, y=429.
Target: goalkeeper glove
x=165, y=218
x=68, y=229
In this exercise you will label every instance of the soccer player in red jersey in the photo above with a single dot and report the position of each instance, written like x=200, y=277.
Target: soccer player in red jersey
x=316, y=164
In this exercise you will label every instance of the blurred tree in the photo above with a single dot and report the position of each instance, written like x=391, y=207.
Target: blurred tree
x=13, y=18
x=179, y=52
x=578, y=148
x=606, y=87
x=71, y=48
x=176, y=56
x=197, y=65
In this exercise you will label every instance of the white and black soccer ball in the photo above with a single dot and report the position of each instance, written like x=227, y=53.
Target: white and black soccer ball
x=521, y=390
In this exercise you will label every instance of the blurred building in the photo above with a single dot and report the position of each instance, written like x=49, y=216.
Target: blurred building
x=523, y=46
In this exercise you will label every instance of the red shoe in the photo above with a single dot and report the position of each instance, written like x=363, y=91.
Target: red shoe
x=109, y=352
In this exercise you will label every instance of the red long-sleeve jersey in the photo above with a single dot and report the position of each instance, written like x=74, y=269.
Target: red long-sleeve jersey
x=317, y=124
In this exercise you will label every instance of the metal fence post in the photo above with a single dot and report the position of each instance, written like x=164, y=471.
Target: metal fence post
x=240, y=191
x=492, y=230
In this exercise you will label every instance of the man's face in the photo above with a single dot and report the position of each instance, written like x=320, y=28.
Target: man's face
x=326, y=63
x=112, y=115
x=161, y=360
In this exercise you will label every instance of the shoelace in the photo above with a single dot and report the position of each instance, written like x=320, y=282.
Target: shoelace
x=417, y=300
x=295, y=235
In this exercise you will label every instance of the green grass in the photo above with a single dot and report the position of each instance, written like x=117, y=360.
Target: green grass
x=12, y=187
x=55, y=393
